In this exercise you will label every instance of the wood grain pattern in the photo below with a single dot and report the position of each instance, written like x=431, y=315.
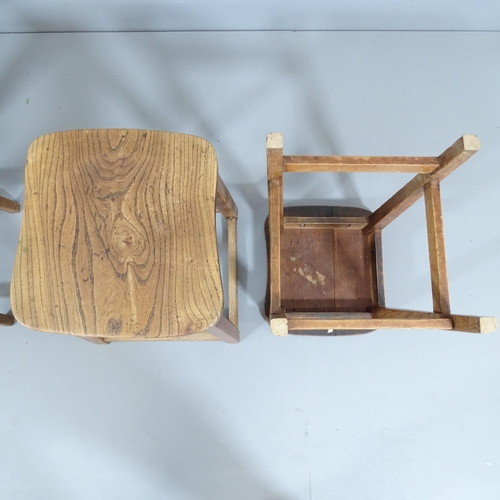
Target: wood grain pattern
x=307, y=271
x=459, y=152
x=352, y=270
x=474, y=324
x=227, y=207
x=397, y=204
x=224, y=201
x=9, y=206
x=407, y=164
x=322, y=321
x=274, y=151
x=325, y=268
x=437, y=251
x=232, y=240
x=469, y=324
x=450, y=160
x=118, y=237
x=324, y=222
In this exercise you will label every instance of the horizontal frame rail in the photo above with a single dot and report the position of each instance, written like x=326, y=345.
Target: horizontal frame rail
x=450, y=160
x=461, y=323
x=354, y=321
x=380, y=318
x=403, y=164
x=324, y=222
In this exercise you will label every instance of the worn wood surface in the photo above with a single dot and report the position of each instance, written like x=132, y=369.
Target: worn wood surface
x=397, y=204
x=352, y=270
x=279, y=324
x=232, y=270
x=274, y=153
x=203, y=336
x=224, y=201
x=470, y=324
x=324, y=222
x=227, y=207
x=388, y=313
x=118, y=236
x=451, y=159
x=307, y=272
x=325, y=270
x=459, y=152
x=474, y=324
x=437, y=251
x=407, y=164
x=374, y=240
x=10, y=206
x=322, y=321
x=335, y=266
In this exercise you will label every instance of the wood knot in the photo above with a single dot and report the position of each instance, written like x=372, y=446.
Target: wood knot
x=114, y=326
x=126, y=239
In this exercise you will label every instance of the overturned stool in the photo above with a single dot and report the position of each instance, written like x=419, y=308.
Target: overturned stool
x=325, y=270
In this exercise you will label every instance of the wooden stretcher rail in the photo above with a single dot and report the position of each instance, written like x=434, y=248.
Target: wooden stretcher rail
x=469, y=324
x=381, y=318
x=437, y=253
x=328, y=321
x=405, y=164
x=324, y=222
x=450, y=160
x=224, y=202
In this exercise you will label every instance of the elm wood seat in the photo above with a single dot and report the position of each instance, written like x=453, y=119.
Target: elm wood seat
x=118, y=239
x=325, y=269
x=11, y=207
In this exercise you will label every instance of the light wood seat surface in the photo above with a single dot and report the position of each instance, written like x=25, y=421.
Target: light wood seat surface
x=118, y=239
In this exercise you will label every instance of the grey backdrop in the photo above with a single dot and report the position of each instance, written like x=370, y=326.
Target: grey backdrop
x=134, y=15
x=389, y=415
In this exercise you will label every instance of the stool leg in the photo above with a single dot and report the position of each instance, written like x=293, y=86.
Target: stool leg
x=95, y=340
x=7, y=320
x=225, y=330
x=10, y=206
x=232, y=270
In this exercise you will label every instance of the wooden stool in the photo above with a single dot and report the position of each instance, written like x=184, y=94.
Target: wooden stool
x=325, y=270
x=11, y=207
x=118, y=239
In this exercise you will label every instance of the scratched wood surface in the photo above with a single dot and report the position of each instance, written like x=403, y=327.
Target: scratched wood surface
x=326, y=270
x=118, y=236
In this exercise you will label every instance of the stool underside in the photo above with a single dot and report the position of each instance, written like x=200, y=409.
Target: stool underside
x=327, y=270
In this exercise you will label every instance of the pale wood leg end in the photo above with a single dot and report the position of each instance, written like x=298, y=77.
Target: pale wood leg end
x=279, y=326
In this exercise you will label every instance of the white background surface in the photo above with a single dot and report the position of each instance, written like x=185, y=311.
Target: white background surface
x=388, y=415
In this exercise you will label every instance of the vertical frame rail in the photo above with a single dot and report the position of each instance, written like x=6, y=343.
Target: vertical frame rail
x=274, y=153
x=437, y=251
x=227, y=207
